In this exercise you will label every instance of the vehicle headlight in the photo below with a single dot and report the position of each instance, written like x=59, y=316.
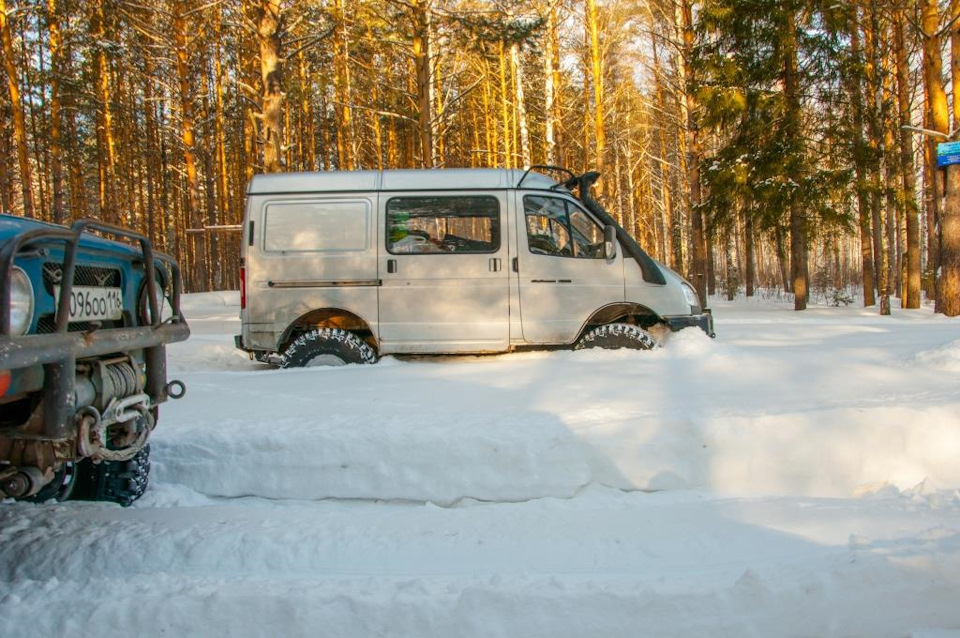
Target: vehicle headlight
x=691, y=296
x=163, y=303
x=21, y=302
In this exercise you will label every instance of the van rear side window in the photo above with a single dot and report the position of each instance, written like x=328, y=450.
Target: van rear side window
x=317, y=226
x=460, y=224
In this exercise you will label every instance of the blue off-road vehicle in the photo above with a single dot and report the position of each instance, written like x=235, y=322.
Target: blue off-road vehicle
x=84, y=321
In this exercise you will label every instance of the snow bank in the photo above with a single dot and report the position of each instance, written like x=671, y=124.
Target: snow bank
x=831, y=406
x=945, y=358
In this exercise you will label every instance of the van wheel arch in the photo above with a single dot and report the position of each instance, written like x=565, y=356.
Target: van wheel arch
x=328, y=318
x=628, y=313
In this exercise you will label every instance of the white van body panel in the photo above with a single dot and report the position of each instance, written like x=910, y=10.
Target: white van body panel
x=294, y=268
x=558, y=294
x=444, y=302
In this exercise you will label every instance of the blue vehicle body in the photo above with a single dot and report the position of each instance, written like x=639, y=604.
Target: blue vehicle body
x=80, y=382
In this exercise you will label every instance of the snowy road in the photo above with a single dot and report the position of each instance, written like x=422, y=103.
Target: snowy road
x=795, y=477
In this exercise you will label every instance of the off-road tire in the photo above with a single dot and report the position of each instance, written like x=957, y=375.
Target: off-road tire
x=327, y=346
x=120, y=482
x=618, y=335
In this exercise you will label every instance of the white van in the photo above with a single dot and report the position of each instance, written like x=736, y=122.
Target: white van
x=342, y=267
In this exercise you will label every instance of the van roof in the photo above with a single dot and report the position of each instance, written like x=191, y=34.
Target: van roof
x=397, y=180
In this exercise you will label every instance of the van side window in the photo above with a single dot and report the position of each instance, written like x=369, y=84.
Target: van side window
x=559, y=228
x=443, y=224
x=316, y=226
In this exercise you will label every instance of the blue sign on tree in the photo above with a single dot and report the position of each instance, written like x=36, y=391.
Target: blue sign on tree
x=948, y=153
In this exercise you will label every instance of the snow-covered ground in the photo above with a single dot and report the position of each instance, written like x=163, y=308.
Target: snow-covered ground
x=797, y=476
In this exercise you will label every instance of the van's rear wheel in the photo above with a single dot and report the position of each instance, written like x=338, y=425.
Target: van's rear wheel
x=618, y=335
x=327, y=347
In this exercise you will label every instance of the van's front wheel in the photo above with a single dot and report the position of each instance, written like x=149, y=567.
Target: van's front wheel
x=618, y=335
x=327, y=347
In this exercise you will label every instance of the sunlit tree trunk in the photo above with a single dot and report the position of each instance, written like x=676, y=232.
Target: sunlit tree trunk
x=56, y=69
x=908, y=199
x=505, y=109
x=106, y=148
x=666, y=250
x=16, y=105
x=521, y=105
x=860, y=167
x=698, y=252
x=938, y=120
x=949, y=297
x=187, y=124
x=551, y=74
x=421, y=59
x=270, y=31
x=596, y=76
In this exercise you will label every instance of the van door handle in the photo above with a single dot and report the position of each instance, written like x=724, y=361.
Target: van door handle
x=391, y=266
x=494, y=264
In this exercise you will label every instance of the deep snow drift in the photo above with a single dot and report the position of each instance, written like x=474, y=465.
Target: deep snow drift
x=797, y=476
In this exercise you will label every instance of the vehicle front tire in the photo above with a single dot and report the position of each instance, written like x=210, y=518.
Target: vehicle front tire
x=618, y=335
x=120, y=482
x=327, y=347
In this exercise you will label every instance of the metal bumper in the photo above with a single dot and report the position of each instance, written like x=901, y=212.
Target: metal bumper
x=703, y=321
x=58, y=354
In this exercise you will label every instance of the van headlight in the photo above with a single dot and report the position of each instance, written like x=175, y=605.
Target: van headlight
x=690, y=294
x=21, y=302
x=163, y=303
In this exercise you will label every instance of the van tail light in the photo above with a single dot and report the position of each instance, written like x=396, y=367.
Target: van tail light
x=243, y=287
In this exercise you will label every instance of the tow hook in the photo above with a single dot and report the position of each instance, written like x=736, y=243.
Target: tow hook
x=176, y=389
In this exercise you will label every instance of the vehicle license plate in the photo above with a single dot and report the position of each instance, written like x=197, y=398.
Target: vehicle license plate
x=91, y=303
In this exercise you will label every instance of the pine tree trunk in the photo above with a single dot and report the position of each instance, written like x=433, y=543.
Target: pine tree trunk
x=596, y=75
x=908, y=199
x=269, y=30
x=6, y=185
x=551, y=74
x=798, y=248
x=521, y=106
x=421, y=58
x=860, y=167
x=666, y=249
x=938, y=120
x=187, y=124
x=106, y=151
x=152, y=147
x=56, y=70
x=949, y=297
x=698, y=254
x=750, y=274
x=19, y=124
x=505, y=108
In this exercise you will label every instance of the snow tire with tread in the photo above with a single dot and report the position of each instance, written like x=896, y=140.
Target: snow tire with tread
x=120, y=482
x=327, y=346
x=618, y=335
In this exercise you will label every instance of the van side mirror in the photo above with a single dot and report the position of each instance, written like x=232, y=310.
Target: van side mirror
x=609, y=242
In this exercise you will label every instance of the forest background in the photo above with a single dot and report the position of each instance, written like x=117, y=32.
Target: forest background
x=749, y=144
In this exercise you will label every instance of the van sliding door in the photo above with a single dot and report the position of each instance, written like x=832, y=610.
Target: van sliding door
x=444, y=273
